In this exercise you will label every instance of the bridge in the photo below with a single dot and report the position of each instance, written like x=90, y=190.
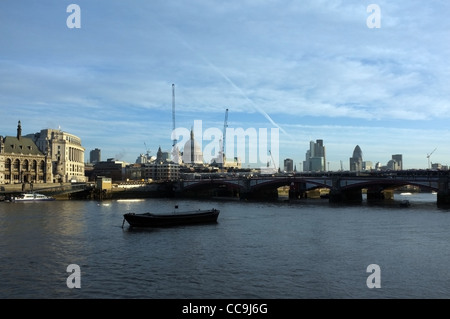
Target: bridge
x=343, y=186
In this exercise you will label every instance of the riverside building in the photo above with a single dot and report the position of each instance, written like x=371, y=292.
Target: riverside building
x=66, y=152
x=21, y=161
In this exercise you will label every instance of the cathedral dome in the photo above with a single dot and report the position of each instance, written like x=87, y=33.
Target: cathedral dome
x=192, y=152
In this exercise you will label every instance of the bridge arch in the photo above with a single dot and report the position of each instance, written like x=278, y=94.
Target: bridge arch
x=390, y=184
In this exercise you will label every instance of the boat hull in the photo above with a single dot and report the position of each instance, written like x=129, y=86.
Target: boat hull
x=166, y=220
x=34, y=197
x=34, y=200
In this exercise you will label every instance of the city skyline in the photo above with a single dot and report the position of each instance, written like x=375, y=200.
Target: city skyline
x=315, y=70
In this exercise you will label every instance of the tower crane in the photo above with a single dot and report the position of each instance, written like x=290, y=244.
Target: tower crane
x=173, y=114
x=274, y=165
x=225, y=125
x=428, y=156
x=147, y=149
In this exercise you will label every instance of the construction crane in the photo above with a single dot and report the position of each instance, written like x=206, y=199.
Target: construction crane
x=274, y=165
x=173, y=115
x=225, y=125
x=147, y=149
x=428, y=156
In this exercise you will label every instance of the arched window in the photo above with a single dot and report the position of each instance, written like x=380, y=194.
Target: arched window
x=8, y=164
x=25, y=165
x=41, y=166
x=16, y=165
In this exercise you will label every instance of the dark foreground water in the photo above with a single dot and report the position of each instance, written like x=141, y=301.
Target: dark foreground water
x=307, y=249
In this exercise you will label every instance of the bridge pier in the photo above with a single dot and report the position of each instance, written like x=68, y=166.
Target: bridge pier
x=297, y=190
x=262, y=194
x=346, y=195
x=374, y=194
x=443, y=194
x=379, y=193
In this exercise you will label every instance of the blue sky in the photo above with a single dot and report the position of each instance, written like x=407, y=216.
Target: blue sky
x=314, y=69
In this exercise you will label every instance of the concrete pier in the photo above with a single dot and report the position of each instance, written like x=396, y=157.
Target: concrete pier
x=443, y=194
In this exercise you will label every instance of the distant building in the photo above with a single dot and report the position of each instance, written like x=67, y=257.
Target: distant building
x=21, y=160
x=288, y=165
x=161, y=171
x=356, y=161
x=111, y=169
x=95, y=156
x=438, y=166
x=165, y=171
x=192, y=152
x=315, y=158
x=145, y=159
x=103, y=183
x=396, y=163
x=367, y=166
x=66, y=151
x=162, y=157
x=159, y=168
x=398, y=158
x=378, y=166
x=392, y=165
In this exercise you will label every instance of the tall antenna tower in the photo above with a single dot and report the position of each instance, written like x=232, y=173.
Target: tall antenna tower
x=173, y=114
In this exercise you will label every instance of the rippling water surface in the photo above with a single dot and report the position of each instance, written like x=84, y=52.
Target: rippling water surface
x=306, y=249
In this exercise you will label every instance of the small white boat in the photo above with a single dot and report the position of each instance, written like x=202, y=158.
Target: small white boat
x=31, y=197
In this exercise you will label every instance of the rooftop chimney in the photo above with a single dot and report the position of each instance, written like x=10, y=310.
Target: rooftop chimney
x=19, y=131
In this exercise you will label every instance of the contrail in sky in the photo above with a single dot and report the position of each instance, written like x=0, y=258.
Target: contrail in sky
x=223, y=75
x=267, y=116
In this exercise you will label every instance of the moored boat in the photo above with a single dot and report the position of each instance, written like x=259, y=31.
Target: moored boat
x=171, y=219
x=405, y=203
x=31, y=197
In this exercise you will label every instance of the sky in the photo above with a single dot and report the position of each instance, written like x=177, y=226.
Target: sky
x=338, y=71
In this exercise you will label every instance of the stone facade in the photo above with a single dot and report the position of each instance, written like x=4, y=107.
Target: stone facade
x=21, y=161
x=66, y=152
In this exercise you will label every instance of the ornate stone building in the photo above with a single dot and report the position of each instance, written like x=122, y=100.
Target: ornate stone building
x=66, y=152
x=192, y=152
x=21, y=161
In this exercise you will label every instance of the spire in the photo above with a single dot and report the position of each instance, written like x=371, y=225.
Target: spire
x=159, y=155
x=19, y=130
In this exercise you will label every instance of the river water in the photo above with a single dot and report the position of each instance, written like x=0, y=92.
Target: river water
x=281, y=250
